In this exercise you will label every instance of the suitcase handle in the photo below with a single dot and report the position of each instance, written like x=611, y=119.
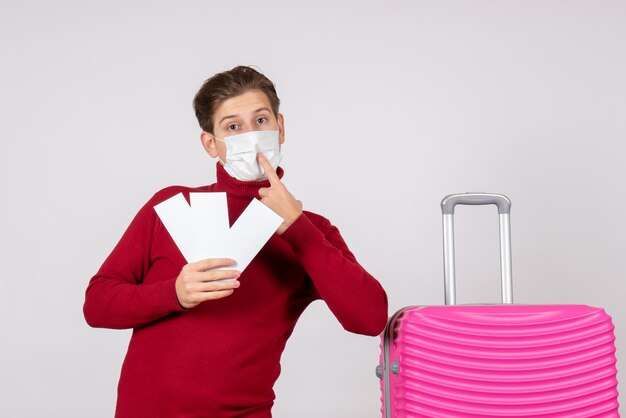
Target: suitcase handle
x=504, y=209
x=449, y=202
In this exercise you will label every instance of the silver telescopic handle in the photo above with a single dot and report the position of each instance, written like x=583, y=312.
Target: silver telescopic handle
x=504, y=210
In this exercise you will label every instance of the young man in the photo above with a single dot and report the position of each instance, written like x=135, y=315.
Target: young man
x=205, y=347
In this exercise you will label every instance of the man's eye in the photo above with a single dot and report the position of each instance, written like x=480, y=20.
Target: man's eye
x=232, y=127
x=261, y=120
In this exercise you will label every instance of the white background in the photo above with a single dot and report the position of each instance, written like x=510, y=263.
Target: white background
x=389, y=106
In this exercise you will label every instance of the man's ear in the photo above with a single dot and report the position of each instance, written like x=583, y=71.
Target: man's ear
x=208, y=143
x=281, y=128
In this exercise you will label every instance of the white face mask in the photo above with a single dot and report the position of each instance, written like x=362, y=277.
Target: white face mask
x=241, y=150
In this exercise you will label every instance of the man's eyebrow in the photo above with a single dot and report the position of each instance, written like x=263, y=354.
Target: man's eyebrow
x=261, y=109
x=227, y=117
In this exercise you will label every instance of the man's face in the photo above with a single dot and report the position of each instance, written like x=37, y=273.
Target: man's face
x=250, y=111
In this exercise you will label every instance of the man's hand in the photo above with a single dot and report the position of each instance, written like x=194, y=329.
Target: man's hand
x=197, y=283
x=278, y=198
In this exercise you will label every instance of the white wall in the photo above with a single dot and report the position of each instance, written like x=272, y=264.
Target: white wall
x=389, y=106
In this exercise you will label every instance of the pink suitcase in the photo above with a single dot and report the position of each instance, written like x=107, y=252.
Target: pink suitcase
x=503, y=360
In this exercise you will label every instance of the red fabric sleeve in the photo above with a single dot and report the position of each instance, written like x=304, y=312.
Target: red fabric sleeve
x=115, y=296
x=356, y=298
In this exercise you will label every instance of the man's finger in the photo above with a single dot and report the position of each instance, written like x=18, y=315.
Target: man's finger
x=269, y=170
x=218, y=275
x=210, y=263
x=217, y=285
x=218, y=294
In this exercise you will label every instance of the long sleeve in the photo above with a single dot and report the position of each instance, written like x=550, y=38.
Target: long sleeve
x=116, y=296
x=356, y=298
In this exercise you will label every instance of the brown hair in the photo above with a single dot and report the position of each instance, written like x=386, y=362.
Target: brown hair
x=229, y=84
